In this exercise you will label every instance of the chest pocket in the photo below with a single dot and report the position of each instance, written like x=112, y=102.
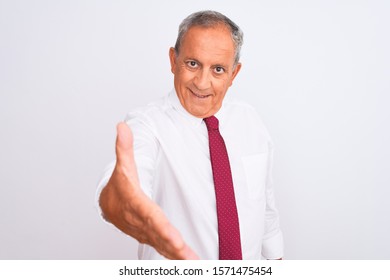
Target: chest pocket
x=256, y=167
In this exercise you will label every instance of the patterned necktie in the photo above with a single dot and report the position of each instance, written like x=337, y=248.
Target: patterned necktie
x=228, y=225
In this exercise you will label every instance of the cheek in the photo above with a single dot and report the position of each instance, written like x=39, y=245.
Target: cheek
x=220, y=86
x=183, y=75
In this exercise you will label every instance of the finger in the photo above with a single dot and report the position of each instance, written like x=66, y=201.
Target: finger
x=188, y=254
x=124, y=144
x=125, y=152
x=181, y=250
x=170, y=243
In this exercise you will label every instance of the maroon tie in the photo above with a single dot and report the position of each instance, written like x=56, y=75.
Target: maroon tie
x=228, y=225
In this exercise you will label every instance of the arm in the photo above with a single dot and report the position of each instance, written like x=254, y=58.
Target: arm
x=273, y=238
x=126, y=206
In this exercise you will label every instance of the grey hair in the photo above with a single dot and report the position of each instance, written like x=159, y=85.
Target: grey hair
x=211, y=19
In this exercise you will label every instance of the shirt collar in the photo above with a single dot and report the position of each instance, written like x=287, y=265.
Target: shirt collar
x=174, y=100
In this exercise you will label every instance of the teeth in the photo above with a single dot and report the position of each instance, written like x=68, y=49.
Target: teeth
x=200, y=96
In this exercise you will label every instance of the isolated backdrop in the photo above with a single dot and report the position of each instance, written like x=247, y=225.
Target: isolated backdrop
x=317, y=71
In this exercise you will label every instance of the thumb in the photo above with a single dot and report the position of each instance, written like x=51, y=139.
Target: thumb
x=124, y=150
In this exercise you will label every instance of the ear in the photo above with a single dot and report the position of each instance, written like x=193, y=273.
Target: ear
x=235, y=72
x=172, y=59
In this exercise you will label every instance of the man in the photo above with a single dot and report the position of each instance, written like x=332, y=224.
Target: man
x=185, y=190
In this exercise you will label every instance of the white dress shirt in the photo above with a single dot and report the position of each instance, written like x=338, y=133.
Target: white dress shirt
x=173, y=161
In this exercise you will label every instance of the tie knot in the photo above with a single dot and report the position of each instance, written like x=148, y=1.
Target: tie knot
x=211, y=123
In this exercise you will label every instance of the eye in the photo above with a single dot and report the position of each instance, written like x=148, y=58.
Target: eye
x=219, y=70
x=192, y=64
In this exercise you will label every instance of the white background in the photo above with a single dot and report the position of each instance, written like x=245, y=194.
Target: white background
x=317, y=71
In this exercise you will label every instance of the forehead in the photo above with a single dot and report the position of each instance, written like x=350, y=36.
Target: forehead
x=209, y=44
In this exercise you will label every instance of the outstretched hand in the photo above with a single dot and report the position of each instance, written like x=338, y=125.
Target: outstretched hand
x=126, y=206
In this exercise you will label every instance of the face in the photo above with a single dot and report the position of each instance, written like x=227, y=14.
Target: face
x=204, y=69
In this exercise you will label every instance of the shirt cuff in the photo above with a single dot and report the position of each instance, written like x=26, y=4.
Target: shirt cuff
x=272, y=247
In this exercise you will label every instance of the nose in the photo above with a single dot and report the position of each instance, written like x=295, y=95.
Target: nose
x=202, y=80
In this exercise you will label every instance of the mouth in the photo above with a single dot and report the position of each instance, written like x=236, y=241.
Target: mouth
x=200, y=95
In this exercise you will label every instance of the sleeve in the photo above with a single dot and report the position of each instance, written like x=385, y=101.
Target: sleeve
x=272, y=246
x=146, y=148
x=145, y=155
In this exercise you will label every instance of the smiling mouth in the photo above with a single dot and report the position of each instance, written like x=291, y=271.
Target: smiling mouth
x=199, y=95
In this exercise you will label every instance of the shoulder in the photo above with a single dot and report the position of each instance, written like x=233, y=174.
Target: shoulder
x=149, y=113
x=244, y=117
x=237, y=108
